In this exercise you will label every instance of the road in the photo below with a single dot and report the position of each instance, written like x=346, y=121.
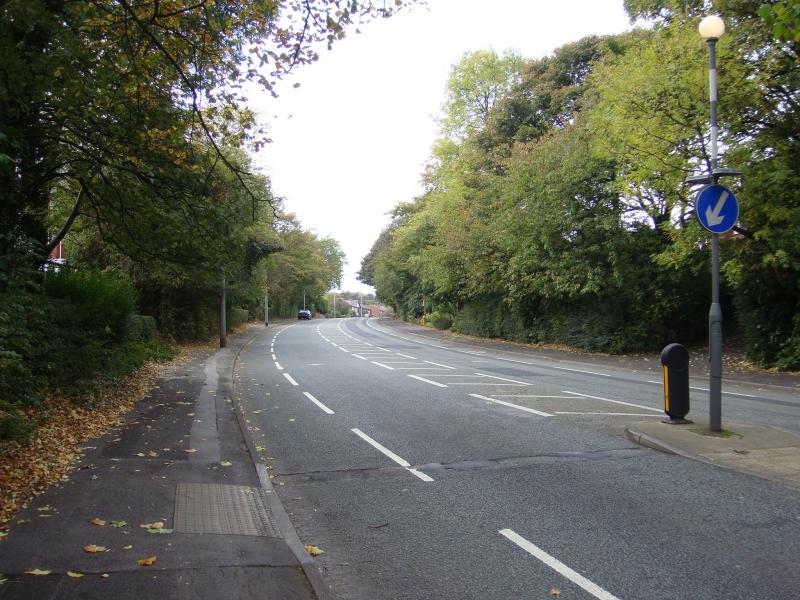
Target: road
x=425, y=469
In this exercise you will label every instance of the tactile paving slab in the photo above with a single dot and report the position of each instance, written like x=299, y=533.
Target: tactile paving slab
x=223, y=509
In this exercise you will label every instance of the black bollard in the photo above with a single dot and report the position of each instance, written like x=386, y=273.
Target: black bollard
x=675, y=364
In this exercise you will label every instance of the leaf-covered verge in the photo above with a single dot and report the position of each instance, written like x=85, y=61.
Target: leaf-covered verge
x=556, y=210
x=62, y=427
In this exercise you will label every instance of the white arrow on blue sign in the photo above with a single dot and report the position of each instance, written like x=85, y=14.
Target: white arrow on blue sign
x=717, y=208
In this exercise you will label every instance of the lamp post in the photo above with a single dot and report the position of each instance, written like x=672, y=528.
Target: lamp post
x=711, y=28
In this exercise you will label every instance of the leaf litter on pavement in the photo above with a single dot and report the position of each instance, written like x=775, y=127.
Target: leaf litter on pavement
x=29, y=467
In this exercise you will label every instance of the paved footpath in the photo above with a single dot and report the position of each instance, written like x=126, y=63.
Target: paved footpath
x=181, y=465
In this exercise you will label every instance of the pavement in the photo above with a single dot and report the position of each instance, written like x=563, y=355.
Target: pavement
x=175, y=485
x=759, y=450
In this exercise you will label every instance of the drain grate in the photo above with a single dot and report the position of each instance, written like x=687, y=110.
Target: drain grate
x=223, y=509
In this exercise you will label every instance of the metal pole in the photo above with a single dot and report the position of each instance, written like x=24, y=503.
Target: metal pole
x=222, y=324
x=334, y=304
x=715, y=312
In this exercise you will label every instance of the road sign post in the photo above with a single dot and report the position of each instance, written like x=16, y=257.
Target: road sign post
x=717, y=210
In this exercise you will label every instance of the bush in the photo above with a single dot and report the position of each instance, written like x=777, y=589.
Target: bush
x=238, y=316
x=440, y=320
x=101, y=302
x=141, y=327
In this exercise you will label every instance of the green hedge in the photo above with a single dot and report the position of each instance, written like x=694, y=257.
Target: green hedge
x=66, y=333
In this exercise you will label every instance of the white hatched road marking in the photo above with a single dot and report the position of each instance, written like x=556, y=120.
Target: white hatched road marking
x=510, y=405
x=555, y=564
x=436, y=383
x=289, y=379
x=386, y=452
x=577, y=394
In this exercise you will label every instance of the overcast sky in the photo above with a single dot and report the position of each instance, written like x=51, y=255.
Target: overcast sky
x=351, y=141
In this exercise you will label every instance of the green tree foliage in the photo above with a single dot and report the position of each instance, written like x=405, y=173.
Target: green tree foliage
x=124, y=132
x=561, y=214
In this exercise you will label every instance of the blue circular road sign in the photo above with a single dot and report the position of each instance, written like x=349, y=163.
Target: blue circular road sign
x=717, y=208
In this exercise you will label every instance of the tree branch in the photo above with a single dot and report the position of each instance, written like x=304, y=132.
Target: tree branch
x=72, y=216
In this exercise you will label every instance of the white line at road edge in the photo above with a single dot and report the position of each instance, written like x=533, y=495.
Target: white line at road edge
x=555, y=564
x=578, y=394
x=289, y=378
x=525, y=408
x=386, y=452
x=318, y=403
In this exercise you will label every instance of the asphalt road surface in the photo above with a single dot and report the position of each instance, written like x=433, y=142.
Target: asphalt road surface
x=438, y=470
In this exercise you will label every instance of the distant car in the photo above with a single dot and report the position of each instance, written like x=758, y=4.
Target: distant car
x=304, y=314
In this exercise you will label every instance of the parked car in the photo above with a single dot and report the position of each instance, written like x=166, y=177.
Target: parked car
x=304, y=314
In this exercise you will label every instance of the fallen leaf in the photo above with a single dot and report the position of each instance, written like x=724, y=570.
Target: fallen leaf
x=156, y=525
x=105, y=575
x=98, y=522
x=43, y=508
x=118, y=524
x=128, y=547
x=160, y=530
x=226, y=463
x=74, y=574
x=140, y=454
x=93, y=548
x=23, y=522
x=554, y=592
x=3, y=534
x=313, y=550
x=37, y=572
x=146, y=562
x=190, y=450
x=152, y=454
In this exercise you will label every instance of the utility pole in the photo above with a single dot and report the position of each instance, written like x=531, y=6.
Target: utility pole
x=266, y=299
x=222, y=324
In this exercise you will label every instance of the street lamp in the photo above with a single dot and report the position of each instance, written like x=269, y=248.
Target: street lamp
x=711, y=28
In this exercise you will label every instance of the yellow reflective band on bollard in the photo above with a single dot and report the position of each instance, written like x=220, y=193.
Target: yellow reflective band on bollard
x=666, y=389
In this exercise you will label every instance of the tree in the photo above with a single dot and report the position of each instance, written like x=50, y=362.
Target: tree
x=476, y=82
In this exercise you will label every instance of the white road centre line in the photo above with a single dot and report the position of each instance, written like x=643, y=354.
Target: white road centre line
x=289, y=379
x=274, y=357
x=318, y=403
x=382, y=365
x=555, y=564
x=386, y=452
x=436, y=383
x=517, y=406
x=658, y=410
x=278, y=366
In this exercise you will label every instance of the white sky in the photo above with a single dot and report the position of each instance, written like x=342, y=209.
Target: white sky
x=351, y=141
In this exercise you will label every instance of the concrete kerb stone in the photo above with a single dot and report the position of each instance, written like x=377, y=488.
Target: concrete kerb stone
x=285, y=526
